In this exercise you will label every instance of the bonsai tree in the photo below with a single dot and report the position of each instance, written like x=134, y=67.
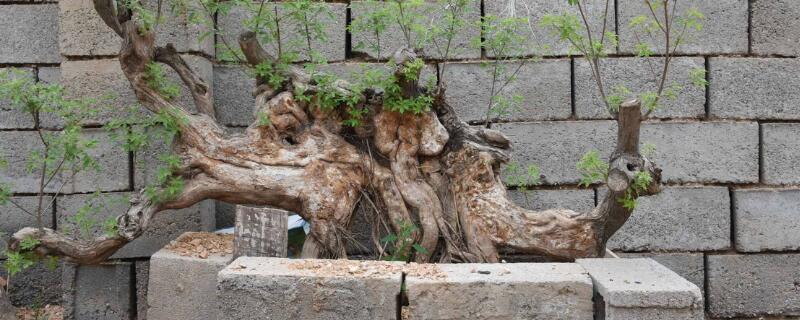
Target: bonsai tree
x=321, y=145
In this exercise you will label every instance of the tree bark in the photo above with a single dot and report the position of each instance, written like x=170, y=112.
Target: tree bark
x=260, y=232
x=427, y=168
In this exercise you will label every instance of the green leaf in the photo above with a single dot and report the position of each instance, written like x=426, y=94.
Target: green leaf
x=592, y=169
x=419, y=248
x=28, y=243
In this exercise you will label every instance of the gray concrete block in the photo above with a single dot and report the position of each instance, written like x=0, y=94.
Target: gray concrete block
x=642, y=289
x=83, y=32
x=392, y=38
x=180, y=32
x=50, y=75
x=275, y=288
x=113, y=162
x=724, y=27
x=183, y=287
x=35, y=286
x=142, y=282
x=687, y=152
x=767, y=219
x=30, y=34
x=12, y=117
x=580, y=200
x=635, y=74
x=542, y=41
x=101, y=291
x=104, y=81
x=705, y=152
x=333, y=19
x=544, y=87
x=12, y=218
x=753, y=285
x=165, y=227
x=690, y=266
x=16, y=148
x=779, y=147
x=558, y=145
x=775, y=28
x=738, y=85
x=677, y=219
x=509, y=291
x=233, y=97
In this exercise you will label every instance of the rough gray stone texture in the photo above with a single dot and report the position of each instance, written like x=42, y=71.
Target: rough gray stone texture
x=35, y=286
x=754, y=88
x=250, y=288
x=50, y=75
x=721, y=152
x=775, y=28
x=104, y=81
x=767, y=219
x=544, y=87
x=687, y=152
x=558, y=146
x=183, y=287
x=542, y=40
x=11, y=117
x=509, y=291
x=636, y=75
x=98, y=291
x=724, y=27
x=13, y=218
x=753, y=285
x=643, y=289
x=83, y=32
x=142, y=282
x=30, y=34
x=580, y=200
x=332, y=19
x=16, y=148
x=233, y=97
x=165, y=227
x=432, y=14
x=690, y=266
x=779, y=145
x=677, y=219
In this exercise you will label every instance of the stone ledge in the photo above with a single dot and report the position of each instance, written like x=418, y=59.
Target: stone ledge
x=250, y=288
x=501, y=291
x=642, y=289
x=183, y=287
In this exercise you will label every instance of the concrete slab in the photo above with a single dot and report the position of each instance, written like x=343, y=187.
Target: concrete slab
x=278, y=288
x=183, y=287
x=642, y=289
x=501, y=291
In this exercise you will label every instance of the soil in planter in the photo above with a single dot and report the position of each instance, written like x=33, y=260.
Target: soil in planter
x=202, y=244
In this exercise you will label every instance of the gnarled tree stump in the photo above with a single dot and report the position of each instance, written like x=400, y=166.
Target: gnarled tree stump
x=428, y=168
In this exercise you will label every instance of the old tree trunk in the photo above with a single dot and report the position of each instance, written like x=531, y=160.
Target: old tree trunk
x=430, y=169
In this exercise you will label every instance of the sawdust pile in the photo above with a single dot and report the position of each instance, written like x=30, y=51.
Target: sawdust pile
x=353, y=268
x=49, y=312
x=202, y=244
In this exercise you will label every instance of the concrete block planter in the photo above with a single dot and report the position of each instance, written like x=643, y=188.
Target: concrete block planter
x=184, y=287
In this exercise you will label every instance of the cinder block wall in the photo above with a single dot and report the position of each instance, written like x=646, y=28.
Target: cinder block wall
x=728, y=219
